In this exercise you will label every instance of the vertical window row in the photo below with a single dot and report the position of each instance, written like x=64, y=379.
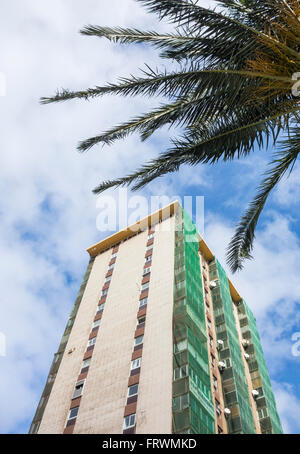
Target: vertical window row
x=212, y=347
x=129, y=421
x=79, y=386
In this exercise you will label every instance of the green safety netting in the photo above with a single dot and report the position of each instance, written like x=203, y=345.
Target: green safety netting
x=189, y=334
x=193, y=409
x=234, y=380
x=266, y=405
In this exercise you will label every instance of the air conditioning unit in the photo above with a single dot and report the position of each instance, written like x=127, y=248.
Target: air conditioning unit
x=227, y=412
x=220, y=344
x=221, y=366
x=212, y=284
x=255, y=394
x=246, y=356
x=245, y=343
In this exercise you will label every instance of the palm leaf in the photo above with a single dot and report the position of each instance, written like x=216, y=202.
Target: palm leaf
x=230, y=91
x=241, y=244
x=225, y=142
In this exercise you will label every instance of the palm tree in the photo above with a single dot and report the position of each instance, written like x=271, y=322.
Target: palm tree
x=233, y=85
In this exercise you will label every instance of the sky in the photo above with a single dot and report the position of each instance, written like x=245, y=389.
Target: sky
x=49, y=214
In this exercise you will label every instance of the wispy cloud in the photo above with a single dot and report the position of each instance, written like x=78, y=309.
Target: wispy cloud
x=48, y=213
x=288, y=406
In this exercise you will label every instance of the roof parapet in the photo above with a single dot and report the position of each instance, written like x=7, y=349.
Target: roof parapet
x=140, y=226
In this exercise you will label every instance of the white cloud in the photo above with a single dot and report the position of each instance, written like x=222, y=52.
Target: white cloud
x=288, y=190
x=48, y=213
x=288, y=406
x=264, y=280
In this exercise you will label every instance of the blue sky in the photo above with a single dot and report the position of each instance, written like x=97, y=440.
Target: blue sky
x=48, y=213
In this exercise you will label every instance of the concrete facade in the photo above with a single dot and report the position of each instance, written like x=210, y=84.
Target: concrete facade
x=104, y=398
x=104, y=404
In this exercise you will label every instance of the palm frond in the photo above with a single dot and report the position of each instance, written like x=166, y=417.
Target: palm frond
x=132, y=35
x=216, y=23
x=231, y=90
x=226, y=143
x=159, y=83
x=213, y=94
x=177, y=112
x=177, y=83
x=181, y=46
x=241, y=244
x=252, y=12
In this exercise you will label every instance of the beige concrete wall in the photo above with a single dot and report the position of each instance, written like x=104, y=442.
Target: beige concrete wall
x=104, y=398
x=105, y=393
x=57, y=409
x=154, y=407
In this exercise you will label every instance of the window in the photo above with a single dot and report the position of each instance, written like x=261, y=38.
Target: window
x=211, y=341
x=220, y=431
x=146, y=271
x=138, y=340
x=41, y=402
x=179, y=269
x=133, y=390
x=57, y=356
x=86, y=362
x=149, y=248
x=180, y=285
x=73, y=413
x=129, y=421
x=136, y=363
x=218, y=410
x=34, y=428
x=114, y=255
x=227, y=361
x=143, y=302
x=96, y=323
x=255, y=374
x=180, y=346
x=78, y=389
x=145, y=286
x=208, y=323
x=260, y=392
x=111, y=267
x=92, y=342
x=181, y=372
x=150, y=236
x=263, y=413
x=213, y=361
x=148, y=259
x=104, y=292
x=180, y=402
x=51, y=378
x=141, y=320
x=100, y=307
x=108, y=279
x=215, y=382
